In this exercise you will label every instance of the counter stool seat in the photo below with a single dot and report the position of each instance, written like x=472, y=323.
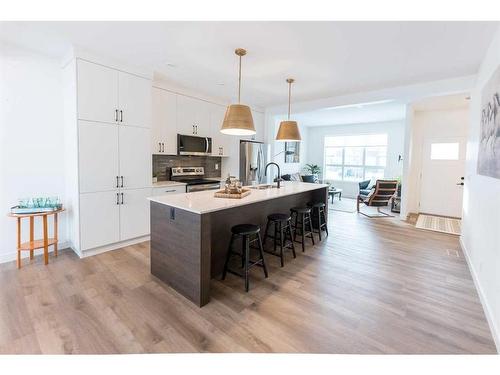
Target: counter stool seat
x=246, y=232
x=245, y=229
x=278, y=217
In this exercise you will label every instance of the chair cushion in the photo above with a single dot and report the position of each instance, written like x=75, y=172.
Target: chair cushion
x=309, y=178
x=364, y=185
x=295, y=177
x=365, y=192
x=286, y=177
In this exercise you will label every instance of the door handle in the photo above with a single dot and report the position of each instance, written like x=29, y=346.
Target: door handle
x=170, y=191
x=460, y=183
x=122, y=198
x=117, y=198
x=159, y=146
x=162, y=147
x=116, y=115
x=121, y=115
x=206, y=146
x=117, y=181
x=121, y=177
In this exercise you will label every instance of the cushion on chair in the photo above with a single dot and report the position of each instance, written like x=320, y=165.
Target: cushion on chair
x=363, y=185
x=309, y=178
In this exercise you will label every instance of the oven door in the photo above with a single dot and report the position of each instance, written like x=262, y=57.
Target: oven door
x=191, y=145
x=193, y=188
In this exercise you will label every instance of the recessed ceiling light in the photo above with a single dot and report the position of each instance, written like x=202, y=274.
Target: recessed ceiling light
x=220, y=83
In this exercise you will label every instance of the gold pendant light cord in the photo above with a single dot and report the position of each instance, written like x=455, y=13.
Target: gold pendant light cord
x=289, y=98
x=239, y=84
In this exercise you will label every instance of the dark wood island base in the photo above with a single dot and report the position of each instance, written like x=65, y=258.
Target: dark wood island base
x=188, y=249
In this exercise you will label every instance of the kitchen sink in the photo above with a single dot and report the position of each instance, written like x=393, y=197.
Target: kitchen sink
x=263, y=187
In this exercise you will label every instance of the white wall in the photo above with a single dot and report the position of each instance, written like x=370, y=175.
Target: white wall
x=430, y=124
x=481, y=213
x=31, y=137
x=394, y=129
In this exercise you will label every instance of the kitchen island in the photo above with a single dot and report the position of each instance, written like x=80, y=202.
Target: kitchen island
x=190, y=232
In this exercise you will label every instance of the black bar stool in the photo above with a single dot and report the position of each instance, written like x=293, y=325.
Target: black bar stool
x=304, y=214
x=318, y=210
x=245, y=231
x=282, y=228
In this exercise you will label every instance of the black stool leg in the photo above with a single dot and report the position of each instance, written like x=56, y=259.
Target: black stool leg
x=261, y=251
x=275, y=236
x=291, y=238
x=303, y=230
x=266, y=232
x=324, y=221
x=311, y=228
x=319, y=224
x=296, y=225
x=281, y=244
x=228, y=256
x=246, y=246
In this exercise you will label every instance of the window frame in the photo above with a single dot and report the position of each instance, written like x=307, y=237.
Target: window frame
x=343, y=165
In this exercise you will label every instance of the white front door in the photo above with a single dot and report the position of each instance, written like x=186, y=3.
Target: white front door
x=443, y=168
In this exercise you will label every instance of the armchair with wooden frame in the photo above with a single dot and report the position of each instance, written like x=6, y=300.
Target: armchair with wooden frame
x=378, y=197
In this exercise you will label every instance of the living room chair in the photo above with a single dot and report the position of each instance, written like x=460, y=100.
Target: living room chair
x=379, y=197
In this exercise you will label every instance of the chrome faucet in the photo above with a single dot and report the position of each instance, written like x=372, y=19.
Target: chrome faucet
x=279, y=172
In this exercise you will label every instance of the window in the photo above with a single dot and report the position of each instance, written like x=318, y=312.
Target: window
x=444, y=151
x=355, y=157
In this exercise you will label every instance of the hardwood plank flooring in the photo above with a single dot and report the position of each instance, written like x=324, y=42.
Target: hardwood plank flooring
x=373, y=286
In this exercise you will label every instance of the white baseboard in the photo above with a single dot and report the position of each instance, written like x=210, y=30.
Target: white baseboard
x=114, y=246
x=12, y=256
x=495, y=332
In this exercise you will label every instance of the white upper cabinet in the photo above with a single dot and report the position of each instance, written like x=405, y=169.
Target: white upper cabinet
x=97, y=92
x=135, y=157
x=220, y=142
x=164, y=124
x=193, y=116
x=98, y=159
x=186, y=115
x=134, y=98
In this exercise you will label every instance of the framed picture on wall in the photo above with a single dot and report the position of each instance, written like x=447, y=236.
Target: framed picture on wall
x=488, y=161
x=292, y=152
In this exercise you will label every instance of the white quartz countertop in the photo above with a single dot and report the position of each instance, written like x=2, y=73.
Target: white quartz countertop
x=202, y=202
x=168, y=183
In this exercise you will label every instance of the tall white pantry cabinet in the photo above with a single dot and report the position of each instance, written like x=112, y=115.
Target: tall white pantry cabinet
x=107, y=150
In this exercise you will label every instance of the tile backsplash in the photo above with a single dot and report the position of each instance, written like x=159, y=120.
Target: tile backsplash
x=163, y=163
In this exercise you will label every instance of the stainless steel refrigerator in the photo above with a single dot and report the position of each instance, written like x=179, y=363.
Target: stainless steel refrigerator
x=253, y=159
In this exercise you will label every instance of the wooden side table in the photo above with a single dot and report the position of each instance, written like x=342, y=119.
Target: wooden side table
x=33, y=244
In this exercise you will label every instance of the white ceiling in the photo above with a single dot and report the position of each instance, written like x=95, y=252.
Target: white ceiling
x=439, y=103
x=325, y=58
x=353, y=114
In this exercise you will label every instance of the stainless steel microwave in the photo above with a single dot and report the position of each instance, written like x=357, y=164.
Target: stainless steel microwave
x=192, y=145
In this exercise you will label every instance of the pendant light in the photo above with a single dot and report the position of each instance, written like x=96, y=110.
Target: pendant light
x=288, y=130
x=238, y=119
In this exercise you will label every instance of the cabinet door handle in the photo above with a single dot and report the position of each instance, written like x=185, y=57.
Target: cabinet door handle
x=162, y=147
x=116, y=181
x=121, y=115
x=159, y=146
x=116, y=115
x=122, y=198
x=121, y=177
x=196, y=126
x=117, y=198
x=170, y=191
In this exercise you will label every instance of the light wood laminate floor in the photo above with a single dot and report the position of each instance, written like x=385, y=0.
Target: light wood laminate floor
x=373, y=286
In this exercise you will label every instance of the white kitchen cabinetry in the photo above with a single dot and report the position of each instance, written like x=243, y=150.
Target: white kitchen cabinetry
x=108, y=160
x=134, y=213
x=98, y=156
x=99, y=219
x=167, y=190
x=164, y=124
x=221, y=143
x=193, y=116
x=97, y=92
x=135, y=157
x=134, y=100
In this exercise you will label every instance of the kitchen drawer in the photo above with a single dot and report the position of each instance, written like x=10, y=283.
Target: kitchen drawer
x=165, y=190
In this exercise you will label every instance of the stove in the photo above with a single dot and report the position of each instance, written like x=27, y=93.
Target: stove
x=193, y=178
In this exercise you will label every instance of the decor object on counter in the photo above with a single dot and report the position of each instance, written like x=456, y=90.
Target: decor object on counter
x=289, y=130
x=292, y=152
x=238, y=119
x=243, y=192
x=314, y=171
x=33, y=244
x=155, y=178
x=488, y=160
x=36, y=205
